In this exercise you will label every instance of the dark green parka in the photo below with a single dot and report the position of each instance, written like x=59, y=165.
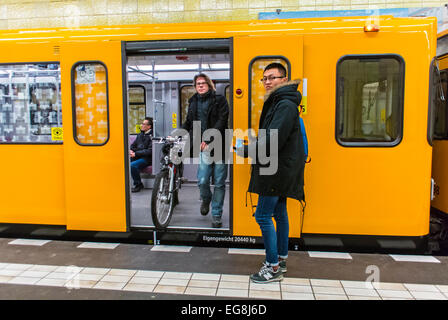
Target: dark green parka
x=280, y=111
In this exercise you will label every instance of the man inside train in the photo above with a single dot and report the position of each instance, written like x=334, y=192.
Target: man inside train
x=141, y=153
x=211, y=111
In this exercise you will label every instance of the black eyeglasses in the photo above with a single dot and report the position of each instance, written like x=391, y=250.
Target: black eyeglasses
x=270, y=78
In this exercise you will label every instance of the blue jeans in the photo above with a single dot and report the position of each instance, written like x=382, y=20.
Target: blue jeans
x=136, y=167
x=275, y=242
x=205, y=171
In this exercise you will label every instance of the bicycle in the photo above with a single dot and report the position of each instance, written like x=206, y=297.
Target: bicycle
x=165, y=192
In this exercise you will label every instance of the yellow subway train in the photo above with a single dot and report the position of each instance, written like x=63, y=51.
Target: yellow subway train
x=72, y=99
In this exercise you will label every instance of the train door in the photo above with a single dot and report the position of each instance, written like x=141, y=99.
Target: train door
x=251, y=56
x=159, y=83
x=93, y=135
x=439, y=134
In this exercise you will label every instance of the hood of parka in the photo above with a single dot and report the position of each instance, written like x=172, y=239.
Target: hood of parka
x=287, y=90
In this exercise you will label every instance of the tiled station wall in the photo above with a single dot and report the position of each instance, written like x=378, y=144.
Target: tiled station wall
x=16, y=14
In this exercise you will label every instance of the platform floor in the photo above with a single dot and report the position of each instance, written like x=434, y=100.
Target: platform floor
x=49, y=269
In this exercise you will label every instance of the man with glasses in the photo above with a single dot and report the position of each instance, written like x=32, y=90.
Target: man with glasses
x=279, y=116
x=211, y=110
x=141, y=153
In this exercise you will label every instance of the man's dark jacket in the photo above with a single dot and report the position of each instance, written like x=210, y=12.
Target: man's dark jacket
x=142, y=146
x=217, y=118
x=280, y=111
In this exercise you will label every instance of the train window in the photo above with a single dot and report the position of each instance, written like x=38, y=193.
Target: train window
x=186, y=92
x=90, y=103
x=369, y=100
x=438, y=103
x=30, y=103
x=257, y=91
x=137, y=108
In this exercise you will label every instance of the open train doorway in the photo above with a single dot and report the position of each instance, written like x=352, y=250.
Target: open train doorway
x=159, y=84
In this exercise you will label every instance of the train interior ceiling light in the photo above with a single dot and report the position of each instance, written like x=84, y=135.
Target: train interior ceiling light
x=177, y=67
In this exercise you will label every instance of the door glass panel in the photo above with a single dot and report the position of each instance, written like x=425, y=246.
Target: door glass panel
x=257, y=90
x=137, y=108
x=91, y=103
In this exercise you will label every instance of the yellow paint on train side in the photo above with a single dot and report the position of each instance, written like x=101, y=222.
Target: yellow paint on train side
x=349, y=190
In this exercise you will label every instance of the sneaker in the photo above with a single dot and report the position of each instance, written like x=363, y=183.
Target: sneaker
x=138, y=187
x=282, y=264
x=267, y=274
x=205, y=208
x=217, y=222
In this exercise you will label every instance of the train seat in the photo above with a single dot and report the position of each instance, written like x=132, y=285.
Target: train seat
x=145, y=173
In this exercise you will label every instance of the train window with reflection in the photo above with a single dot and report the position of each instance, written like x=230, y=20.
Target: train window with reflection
x=137, y=108
x=186, y=92
x=369, y=100
x=439, y=103
x=90, y=103
x=257, y=90
x=30, y=103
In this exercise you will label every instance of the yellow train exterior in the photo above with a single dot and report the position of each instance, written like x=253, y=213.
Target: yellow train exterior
x=353, y=186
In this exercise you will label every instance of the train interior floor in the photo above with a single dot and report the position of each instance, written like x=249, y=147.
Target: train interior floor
x=185, y=215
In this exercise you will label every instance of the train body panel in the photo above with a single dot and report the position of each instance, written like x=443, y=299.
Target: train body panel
x=367, y=176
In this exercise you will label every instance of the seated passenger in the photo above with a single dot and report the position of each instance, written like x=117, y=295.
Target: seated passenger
x=141, y=153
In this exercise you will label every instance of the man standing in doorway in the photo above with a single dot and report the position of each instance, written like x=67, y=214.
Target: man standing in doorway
x=212, y=111
x=141, y=153
x=279, y=116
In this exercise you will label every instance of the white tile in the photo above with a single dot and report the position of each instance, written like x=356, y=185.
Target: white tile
x=421, y=287
x=34, y=274
x=363, y=298
x=203, y=283
x=414, y=258
x=2, y=265
x=77, y=284
x=149, y=274
x=296, y=289
x=297, y=296
x=394, y=294
x=427, y=295
x=330, y=297
x=264, y=294
x=98, y=245
x=109, y=285
x=169, y=289
x=236, y=293
x=206, y=276
x=296, y=281
x=69, y=269
x=139, y=287
x=60, y=275
x=177, y=275
x=29, y=242
x=273, y=286
x=389, y=286
x=173, y=282
x=51, y=282
x=11, y=273
x=325, y=283
x=330, y=255
x=88, y=277
x=259, y=252
x=361, y=292
x=108, y=278
x=121, y=272
x=201, y=291
x=47, y=268
x=357, y=284
x=18, y=266
x=144, y=280
x=233, y=277
x=23, y=280
x=4, y=279
x=101, y=271
x=328, y=290
x=165, y=248
x=233, y=285
x=443, y=288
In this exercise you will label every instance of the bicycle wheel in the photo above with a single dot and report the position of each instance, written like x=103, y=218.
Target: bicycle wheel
x=161, y=202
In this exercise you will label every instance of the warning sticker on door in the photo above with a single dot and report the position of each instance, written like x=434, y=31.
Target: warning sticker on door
x=57, y=134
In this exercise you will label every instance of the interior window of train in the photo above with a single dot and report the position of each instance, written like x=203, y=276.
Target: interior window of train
x=30, y=103
x=90, y=103
x=439, y=103
x=369, y=100
x=137, y=107
x=257, y=90
x=186, y=92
